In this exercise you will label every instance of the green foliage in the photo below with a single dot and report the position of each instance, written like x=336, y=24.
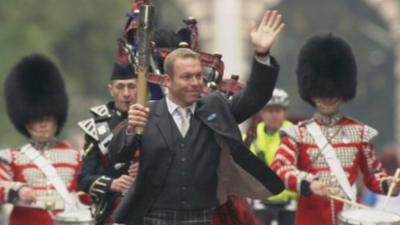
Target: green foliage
x=79, y=35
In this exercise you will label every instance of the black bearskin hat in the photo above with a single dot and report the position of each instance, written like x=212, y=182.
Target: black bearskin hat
x=326, y=68
x=164, y=38
x=34, y=88
x=123, y=71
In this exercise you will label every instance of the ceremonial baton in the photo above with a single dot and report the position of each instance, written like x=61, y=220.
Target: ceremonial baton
x=145, y=35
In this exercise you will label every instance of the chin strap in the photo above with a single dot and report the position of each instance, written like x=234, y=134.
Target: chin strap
x=42, y=136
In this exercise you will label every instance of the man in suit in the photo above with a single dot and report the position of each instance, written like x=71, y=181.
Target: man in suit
x=191, y=152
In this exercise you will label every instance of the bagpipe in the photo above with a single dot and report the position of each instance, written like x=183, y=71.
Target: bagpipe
x=137, y=43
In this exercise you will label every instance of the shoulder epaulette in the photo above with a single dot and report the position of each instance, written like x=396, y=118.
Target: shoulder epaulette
x=5, y=156
x=368, y=133
x=101, y=111
x=99, y=119
x=305, y=122
x=89, y=127
x=292, y=132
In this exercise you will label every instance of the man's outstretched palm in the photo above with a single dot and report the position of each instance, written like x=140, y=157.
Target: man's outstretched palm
x=264, y=35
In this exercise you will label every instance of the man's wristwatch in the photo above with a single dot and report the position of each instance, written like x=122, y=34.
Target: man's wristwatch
x=262, y=54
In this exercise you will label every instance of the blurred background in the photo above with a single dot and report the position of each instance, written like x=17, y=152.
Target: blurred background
x=81, y=37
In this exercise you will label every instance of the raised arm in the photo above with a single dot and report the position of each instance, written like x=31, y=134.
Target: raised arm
x=264, y=35
x=264, y=70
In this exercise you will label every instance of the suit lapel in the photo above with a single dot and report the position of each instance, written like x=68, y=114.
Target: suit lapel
x=206, y=115
x=162, y=121
x=201, y=110
x=212, y=117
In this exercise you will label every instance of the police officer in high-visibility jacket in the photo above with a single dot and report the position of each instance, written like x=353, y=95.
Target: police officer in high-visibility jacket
x=281, y=207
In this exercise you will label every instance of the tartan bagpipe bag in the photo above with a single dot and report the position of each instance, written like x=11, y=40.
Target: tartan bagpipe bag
x=236, y=211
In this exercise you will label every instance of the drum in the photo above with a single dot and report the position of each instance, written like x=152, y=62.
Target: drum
x=368, y=217
x=79, y=217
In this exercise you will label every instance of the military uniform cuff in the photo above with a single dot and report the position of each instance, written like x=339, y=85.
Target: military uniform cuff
x=384, y=187
x=100, y=187
x=12, y=194
x=305, y=188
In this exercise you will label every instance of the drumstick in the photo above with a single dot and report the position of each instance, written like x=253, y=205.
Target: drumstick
x=340, y=199
x=391, y=189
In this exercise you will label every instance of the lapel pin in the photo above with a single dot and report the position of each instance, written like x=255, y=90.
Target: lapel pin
x=211, y=116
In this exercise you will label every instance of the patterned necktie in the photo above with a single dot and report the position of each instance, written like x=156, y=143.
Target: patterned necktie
x=185, y=120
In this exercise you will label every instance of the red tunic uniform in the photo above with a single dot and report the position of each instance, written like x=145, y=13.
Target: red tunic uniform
x=299, y=161
x=16, y=170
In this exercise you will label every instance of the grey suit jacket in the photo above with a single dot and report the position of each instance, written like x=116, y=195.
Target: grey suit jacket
x=239, y=171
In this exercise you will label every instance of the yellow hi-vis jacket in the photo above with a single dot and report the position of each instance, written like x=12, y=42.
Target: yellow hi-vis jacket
x=265, y=147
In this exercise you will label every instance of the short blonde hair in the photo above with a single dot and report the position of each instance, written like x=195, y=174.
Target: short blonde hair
x=180, y=53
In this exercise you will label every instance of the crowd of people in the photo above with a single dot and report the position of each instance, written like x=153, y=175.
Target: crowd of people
x=182, y=159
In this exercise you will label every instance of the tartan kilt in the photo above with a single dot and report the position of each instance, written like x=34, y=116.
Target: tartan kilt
x=236, y=211
x=172, y=217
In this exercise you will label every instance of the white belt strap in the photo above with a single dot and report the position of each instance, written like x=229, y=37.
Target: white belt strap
x=51, y=174
x=42, y=204
x=330, y=156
